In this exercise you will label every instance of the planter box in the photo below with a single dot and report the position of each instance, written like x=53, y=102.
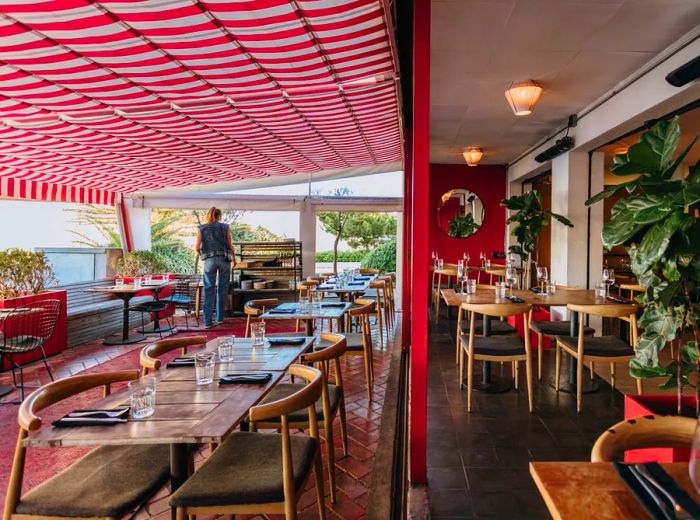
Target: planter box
x=654, y=404
x=58, y=340
x=538, y=313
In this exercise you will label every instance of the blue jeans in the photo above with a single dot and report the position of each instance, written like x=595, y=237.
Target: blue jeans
x=216, y=266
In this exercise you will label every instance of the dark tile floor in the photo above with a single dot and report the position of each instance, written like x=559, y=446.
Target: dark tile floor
x=478, y=462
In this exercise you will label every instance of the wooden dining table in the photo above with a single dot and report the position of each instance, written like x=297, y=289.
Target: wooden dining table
x=327, y=310
x=583, y=490
x=346, y=292
x=561, y=298
x=186, y=413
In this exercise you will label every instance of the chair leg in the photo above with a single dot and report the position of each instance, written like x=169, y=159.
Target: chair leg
x=592, y=370
x=343, y=426
x=380, y=327
x=461, y=368
x=540, y=342
x=612, y=374
x=470, y=382
x=557, y=366
x=528, y=381
x=579, y=384
x=368, y=376
x=318, y=477
x=640, y=389
x=330, y=453
x=46, y=362
x=516, y=374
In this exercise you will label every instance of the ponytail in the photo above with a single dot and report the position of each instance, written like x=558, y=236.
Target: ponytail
x=212, y=215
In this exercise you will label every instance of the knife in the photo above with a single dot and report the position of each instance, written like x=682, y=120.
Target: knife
x=673, y=488
x=663, y=506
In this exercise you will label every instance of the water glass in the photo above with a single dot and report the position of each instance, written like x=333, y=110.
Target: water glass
x=119, y=283
x=147, y=279
x=440, y=263
x=470, y=286
x=487, y=264
x=552, y=287
x=142, y=397
x=303, y=305
x=204, y=367
x=137, y=282
x=226, y=349
x=601, y=290
x=257, y=332
x=500, y=290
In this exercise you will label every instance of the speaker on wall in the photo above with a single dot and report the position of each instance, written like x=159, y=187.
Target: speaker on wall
x=685, y=73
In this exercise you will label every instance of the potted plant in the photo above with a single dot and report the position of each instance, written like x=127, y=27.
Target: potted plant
x=657, y=223
x=25, y=277
x=462, y=226
x=530, y=218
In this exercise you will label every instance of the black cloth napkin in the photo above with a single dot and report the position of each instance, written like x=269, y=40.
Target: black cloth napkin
x=618, y=300
x=648, y=501
x=332, y=304
x=181, y=362
x=515, y=299
x=92, y=418
x=671, y=486
x=252, y=378
x=536, y=290
x=286, y=341
x=363, y=278
x=356, y=283
x=282, y=311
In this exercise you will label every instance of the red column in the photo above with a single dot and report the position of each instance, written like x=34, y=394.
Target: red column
x=125, y=227
x=407, y=239
x=419, y=248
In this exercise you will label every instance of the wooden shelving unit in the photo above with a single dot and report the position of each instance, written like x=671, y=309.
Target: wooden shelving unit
x=269, y=261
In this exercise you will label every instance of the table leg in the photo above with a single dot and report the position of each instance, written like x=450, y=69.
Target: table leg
x=178, y=469
x=569, y=385
x=488, y=383
x=125, y=339
x=309, y=324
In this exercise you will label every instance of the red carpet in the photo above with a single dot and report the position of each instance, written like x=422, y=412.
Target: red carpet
x=43, y=463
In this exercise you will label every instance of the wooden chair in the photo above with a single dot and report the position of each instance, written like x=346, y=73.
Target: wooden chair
x=150, y=353
x=498, y=271
x=255, y=308
x=107, y=483
x=448, y=273
x=610, y=349
x=498, y=348
x=648, y=431
x=499, y=327
x=368, y=270
x=261, y=473
x=360, y=344
x=330, y=405
x=305, y=289
x=388, y=301
x=379, y=294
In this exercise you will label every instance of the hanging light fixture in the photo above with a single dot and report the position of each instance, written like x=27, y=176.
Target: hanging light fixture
x=522, y=96
x=473, y=155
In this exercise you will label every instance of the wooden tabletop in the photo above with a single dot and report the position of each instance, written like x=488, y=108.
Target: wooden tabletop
x=325, y=287
x=560, y=298
x=185, y=412
x=333, y=311
x=583, y=490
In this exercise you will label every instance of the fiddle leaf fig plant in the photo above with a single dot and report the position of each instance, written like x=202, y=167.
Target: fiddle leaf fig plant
x=657, y=223
x=530, y=218
x=462, y=226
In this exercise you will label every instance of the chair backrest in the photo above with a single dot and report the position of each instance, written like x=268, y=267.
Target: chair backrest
x=649, y=431
x=368, y=270
x=306, y=397
x=258, y=307
x=29, y=421
x=306, y=287
x=31, y=325
x=497, y=309
x=319, y=279
x=150, y=353
x=187, y=287
x=608, y=310
x=322, y=359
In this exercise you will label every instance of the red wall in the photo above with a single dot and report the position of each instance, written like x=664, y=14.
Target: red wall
x=489, y=183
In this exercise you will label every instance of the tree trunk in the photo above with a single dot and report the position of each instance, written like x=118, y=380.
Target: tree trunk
x=335, y=254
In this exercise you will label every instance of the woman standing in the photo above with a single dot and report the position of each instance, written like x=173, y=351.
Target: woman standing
x=215, y=248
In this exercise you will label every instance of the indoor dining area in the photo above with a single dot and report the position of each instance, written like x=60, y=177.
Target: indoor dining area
x=350, y=259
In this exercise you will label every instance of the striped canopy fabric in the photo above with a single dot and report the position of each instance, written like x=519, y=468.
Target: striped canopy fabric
x=103, y=98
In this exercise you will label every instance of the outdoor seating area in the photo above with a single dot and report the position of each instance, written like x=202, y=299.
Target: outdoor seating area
x=350, y=259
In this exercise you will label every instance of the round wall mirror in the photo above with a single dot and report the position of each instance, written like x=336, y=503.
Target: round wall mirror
x=460, y=213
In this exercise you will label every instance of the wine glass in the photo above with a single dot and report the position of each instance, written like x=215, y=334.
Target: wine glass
x=461, y=275
x=542, y=275
x=511, y=278
x=608, y=278
x=694, y=464
x=465, y=257
x=434, y=257
x=482, y=257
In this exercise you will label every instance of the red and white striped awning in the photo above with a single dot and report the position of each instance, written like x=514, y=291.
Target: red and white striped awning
x=120, y=96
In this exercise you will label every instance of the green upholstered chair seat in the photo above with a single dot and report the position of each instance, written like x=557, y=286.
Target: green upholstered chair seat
x=555, y=328
x=498, y=327
x=108, y=481
x=606, y=346
x=283, y=390
x=246, y=469
x=496, y=346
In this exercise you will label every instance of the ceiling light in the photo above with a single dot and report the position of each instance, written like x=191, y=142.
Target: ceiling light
x=522, y=96
x=473, y=155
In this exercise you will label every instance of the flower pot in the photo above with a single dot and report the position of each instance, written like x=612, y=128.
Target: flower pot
x=654, y=404
x=58, y=340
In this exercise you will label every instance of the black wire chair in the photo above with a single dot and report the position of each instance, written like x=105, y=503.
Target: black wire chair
x=154, y=307
x=24, y=329
x=184, y=297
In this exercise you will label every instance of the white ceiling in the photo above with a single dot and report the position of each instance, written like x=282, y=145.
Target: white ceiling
x=576, y=50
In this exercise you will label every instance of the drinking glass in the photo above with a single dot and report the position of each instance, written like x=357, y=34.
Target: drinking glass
x=257, y=332
x=226, y=349
x=303, y=305
x=471, y=286
x=487, y=264
x=608, y=278
x=137, y=282
x=694, y=464
x=500, y=290
x=119, y=283
x=461, y=274
x=552, y=287
x=142, y=397
x=434, y=257
x=147, y=279
x=465, y=257
x=600, y=290
x=542, y=276
x=440, y=263
x=482, y=257
x=204, y=367
x=511, y=278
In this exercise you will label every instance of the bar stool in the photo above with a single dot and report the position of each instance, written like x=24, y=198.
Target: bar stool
x=609, y=349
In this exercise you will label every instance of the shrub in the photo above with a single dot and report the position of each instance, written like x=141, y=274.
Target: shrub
x=343, y=256
x=382, y=258
x=24, y=272
x=177, y=259
x=140, y=263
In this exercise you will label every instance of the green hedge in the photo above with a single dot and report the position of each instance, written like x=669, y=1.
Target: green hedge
x=382, y=257
x=343, y=256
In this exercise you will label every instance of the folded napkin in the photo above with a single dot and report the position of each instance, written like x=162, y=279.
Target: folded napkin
x=252, y=378
x=618, y=300
x=356, y=283
x=285, y=310
x=93, y=418
x=363, y=278
x=286, y=341
x=655, y=503
x=515, y=299
x=323, y=287
x=536, y=290
x=332, y=304
x=181, y=362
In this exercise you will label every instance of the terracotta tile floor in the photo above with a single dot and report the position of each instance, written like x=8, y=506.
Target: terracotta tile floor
x=354, y=472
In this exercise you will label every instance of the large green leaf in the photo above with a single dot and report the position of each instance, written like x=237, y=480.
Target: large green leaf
x=620, y=228
x=663, y=139
x=607, y=192
x=653, y=154
x=655, y=242
x=673, y=166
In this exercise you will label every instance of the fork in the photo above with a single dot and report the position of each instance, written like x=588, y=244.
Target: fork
x=681, y=514
x=102, y=413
